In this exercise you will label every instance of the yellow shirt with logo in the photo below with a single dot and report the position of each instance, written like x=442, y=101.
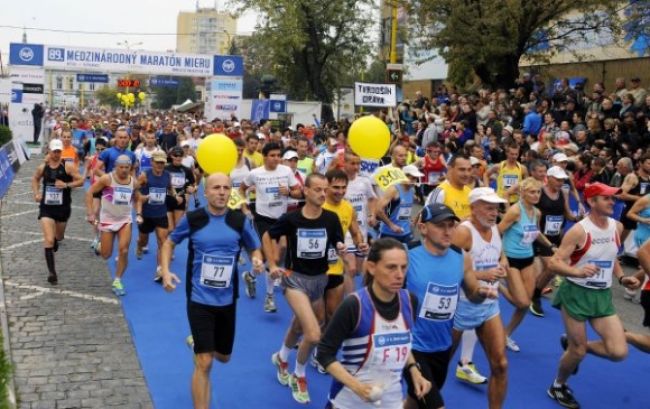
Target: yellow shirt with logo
x=256, y=159
x=508, y=177
x=345, y=212
x=456, y=199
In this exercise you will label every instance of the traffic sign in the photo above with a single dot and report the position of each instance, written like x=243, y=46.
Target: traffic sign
x=394, y=76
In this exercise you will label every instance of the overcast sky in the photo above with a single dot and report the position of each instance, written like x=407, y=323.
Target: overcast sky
x=140, y=16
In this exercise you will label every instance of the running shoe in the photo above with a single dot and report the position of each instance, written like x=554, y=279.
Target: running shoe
x=93, y=245
x=536, y=307
x=269, y=304
x=563, y=395
x=277, y=283
x=469, y=373
x=138, y=252
x=282, y=369
x=299, y=389
x=251, y=281
x=512, y=345
x=158, y=276
x=189, y=341
x=564, y=341
x=98, y=248
x=118, y=287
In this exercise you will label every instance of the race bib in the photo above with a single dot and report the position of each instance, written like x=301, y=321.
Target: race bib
x=122, y=195
x=359, y=210
x=53, y=196
x=510, y=180
x=390, y=176
x=493, y=285
x=332, y=256
x=216, y=271
x=391, y=350
x=404, y=212
x=439, y=302
x=643, y=188
x=530, y=233
x=157, y=195
x=235, y=200
x=602, y=278
x=312, y=243
x=275, y=198
x=434, y=177
x=178, y=180
x=553, y=225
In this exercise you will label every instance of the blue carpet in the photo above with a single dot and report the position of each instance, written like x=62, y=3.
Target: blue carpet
x=159, y=326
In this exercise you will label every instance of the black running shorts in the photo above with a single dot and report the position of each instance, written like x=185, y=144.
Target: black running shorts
x=213, y=328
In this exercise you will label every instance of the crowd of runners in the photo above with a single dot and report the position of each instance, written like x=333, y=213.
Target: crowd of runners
x=388, y=266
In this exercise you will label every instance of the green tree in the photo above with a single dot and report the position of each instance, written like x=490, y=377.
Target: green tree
x=106, y=96
x=488, y=38
x=165, y=97
x=310, y=44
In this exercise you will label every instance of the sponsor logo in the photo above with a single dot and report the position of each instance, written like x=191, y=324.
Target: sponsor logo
x=228, y=65
x=26, y=54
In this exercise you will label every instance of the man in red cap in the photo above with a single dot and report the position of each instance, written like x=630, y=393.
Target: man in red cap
x=587, y=257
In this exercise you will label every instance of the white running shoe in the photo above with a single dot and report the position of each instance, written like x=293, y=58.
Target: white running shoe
x=512, y=345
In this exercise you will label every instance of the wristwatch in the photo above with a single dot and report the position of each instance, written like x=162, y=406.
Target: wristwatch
x=414, y=364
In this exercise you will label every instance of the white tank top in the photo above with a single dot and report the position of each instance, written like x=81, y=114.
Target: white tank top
x=358, y=193
x=600, y=248
x=238, y=174
x=117, y=202
x=485, y=255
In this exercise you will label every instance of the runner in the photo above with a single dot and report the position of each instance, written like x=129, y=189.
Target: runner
x=554, y=208
x=479, y=236
x=323, y=160
x=454, y=191
x=362, y=197
x=381, y=310
x=435, y=274
x=310, y=232
x=54, y=199
x=509, y=174
x=146, y=150
x=183, y=185
x=305, y=161
x=151, y=210
x=119, y=190
x=69, y=153
x=101, y=144
x=433, y=166
x=216, y=236
x=585, y=295
x=520, y=229
x=108, y=158
x=395, y=206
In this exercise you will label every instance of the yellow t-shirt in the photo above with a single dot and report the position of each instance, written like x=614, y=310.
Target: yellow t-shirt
x=508, y=177
x=256, y=159
x=457, y=200
x=345, y=212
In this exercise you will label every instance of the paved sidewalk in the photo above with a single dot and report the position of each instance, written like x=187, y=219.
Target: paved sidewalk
x=70, y=344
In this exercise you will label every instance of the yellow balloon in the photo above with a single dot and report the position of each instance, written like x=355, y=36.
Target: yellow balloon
x=369, y=137
x=217, y=153
x=119, y=95
x=131, y=97
x=142, y=95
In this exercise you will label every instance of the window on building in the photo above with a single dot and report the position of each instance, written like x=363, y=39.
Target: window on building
x=59, y=83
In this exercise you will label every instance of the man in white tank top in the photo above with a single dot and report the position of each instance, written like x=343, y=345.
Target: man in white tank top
x=588, y=258
x=479, y=238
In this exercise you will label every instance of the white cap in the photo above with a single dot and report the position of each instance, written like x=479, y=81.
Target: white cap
x=557, y=172
x=236, y=124
x=474, y=161
x=290, y=154
x=560, y=157
x=509, y=129
x=56, y=145
x=413, y=171
x=485, y=194
x=185, y=143
x=261, y=135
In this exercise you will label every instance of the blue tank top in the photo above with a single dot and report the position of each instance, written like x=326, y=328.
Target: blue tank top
x=518, y=239
x=400, y=211
x=642, y=232
x=436, y=281
x=156, y=188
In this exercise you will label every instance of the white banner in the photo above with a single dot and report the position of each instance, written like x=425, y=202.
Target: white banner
x=224, y=98
x=375, y=95
x=129, y=61
x=26, y=90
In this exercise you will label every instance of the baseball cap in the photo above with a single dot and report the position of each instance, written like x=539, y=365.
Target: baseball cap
x=159, y=156
x=600, y=189
x=290, y=154
x=56, y=145
x=437, y=212
x=176, y=151
x=474, y=161
x=185, y=143
x=560, y=157
x=509, y=128
x=412, y=170
x=557, y=172
x=485, y=194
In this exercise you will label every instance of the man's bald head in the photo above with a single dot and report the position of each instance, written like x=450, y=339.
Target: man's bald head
x=217, y=178
x=217, y=191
